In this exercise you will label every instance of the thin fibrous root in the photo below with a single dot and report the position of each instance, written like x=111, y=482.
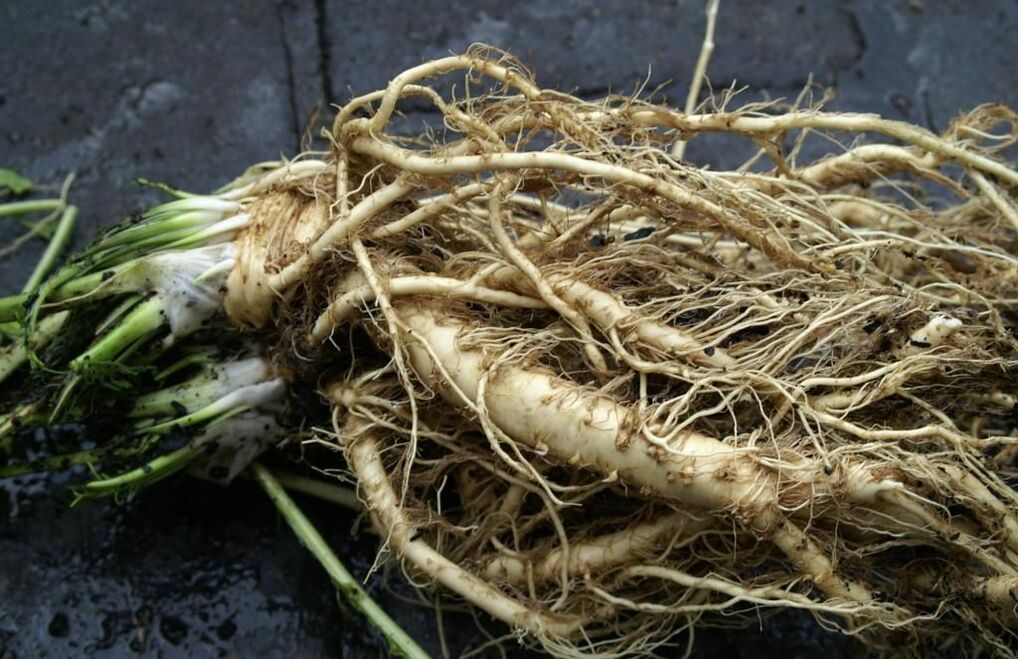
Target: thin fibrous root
x=452, y=165
x=584, y=429
x=375, y=485
x=596, y=555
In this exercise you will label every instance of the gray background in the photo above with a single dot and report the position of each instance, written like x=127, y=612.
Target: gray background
x=191, y=92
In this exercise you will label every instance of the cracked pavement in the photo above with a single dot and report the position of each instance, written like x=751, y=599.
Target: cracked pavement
x=191, y=92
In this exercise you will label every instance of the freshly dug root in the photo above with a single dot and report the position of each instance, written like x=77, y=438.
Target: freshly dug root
x=383, y=503
x=350, y=303
x=495, y=588
x=573, y=430
x=593, y=432
x=596, y=554
x=614, y=319
x=589, y=387
x=788, y=444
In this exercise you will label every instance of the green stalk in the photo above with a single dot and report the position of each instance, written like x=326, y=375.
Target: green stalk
x=12, y=307
x=399, y=641
x=117, y=313
x=115, y=280
x=56, y=245
x=200, y=357
x=11, y=358
x=33, y=303
x=17, y=354
x=25, y=416
x=52, y=463
x=218, y=410
x=87, y=270
x=165, y=187
x=152, y=231
x=202, y=390
x=340, y=496
x=65, y=399
x=150, y=472
x=143, y=321
x=107, y=355
x=117, y=252
x=31, y=206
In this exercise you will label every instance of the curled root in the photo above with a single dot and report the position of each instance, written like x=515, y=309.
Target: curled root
x=593, y=388
x=383, y=503
x=601, y=392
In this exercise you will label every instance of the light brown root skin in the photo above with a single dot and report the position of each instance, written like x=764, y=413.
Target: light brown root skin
x=598, y=554
x=797, y=351
x=454, y=164
x=609, y=313
x=281, y=224
x=584, y=429
x=375, y=486
x=1001, y=592
x=347, y=305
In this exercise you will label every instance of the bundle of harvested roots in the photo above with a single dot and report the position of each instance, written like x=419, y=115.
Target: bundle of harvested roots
x=596, y=391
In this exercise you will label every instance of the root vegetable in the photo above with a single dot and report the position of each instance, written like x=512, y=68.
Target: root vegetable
x=588, y=387
x=587, y=430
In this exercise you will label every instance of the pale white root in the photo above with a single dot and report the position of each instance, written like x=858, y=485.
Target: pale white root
x=447, y=165
x=700, y=72
x=376, y=490
x=283, y=222
x=929, y=336
x=609, y=313
x=509, y=250
x=864, y=163
x=1001, y=592
x=738, y=123
x=347, y=305
x=755, y=355
x=596, y=555
x=582, y=428
x=287, y=172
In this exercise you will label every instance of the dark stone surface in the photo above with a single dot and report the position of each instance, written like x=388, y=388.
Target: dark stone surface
x=192, y=92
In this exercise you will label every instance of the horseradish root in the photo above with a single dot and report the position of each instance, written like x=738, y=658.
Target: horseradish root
x=598, y=391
